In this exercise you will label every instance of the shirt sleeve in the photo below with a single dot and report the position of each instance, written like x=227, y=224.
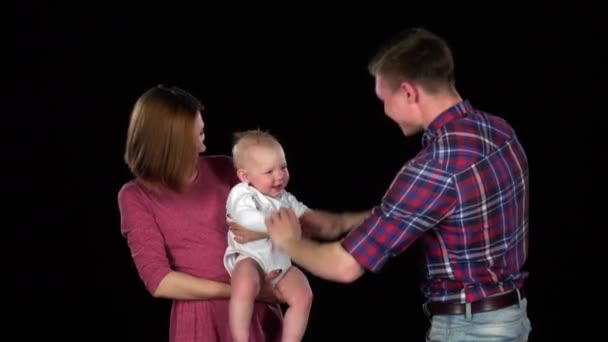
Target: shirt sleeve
x=241, y=208
x=420, y=196
x=143, y=236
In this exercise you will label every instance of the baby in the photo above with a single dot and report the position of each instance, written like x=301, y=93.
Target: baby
x=261, y=167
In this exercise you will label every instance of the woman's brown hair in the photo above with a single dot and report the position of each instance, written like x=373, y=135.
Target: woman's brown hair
x=160, y=146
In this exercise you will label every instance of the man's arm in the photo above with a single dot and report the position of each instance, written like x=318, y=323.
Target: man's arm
x=325, y=225
x=316, y=224
x=326, y=260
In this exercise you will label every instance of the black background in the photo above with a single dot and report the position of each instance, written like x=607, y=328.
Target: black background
x=301, y=75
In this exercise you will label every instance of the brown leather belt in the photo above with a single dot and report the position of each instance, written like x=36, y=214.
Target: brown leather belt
x=482, y=305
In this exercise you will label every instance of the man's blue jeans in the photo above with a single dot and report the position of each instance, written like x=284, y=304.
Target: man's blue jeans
x=506, y=324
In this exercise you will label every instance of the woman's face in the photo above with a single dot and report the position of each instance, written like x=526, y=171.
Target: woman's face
x=199, y=133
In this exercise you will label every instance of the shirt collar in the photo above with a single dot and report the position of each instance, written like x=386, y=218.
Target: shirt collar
x=456, y=111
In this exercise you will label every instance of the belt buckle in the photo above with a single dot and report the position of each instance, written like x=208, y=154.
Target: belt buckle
x=426, y=310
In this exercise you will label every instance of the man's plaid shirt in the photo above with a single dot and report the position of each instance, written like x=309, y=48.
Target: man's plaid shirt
x=465, y=195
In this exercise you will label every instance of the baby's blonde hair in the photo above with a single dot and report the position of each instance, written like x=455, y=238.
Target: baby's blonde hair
x=245, y=140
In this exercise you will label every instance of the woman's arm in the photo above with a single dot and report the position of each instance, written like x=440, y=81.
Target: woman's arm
x=246, y=220
x=147, y=247
x=178, y=285
x=148, y=251
x=244, y=235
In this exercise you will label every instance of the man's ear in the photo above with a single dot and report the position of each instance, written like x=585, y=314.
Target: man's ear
x=410, y=91
x=242, y=174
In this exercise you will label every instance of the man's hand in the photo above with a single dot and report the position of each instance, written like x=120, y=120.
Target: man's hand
x=244, y=235
x=283, y=226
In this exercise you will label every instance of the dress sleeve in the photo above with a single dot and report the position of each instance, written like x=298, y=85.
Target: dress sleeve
x=143, y=236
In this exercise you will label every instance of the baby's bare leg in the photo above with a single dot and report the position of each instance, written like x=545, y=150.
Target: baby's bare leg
x=246, y=283
x=295, y=288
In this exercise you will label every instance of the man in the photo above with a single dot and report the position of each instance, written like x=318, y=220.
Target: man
x=465, y=195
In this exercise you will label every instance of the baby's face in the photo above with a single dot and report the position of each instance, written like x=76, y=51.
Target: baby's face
x=266, y=169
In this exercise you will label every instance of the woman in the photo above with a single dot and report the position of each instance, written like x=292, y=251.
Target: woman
x=173, y=217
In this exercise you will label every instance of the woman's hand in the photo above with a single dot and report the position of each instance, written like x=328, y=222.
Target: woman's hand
x=269, y=294
x=243, y=235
